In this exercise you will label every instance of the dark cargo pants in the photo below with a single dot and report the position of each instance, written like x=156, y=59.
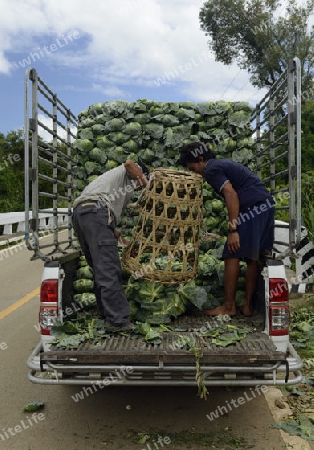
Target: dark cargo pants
x=97, y=241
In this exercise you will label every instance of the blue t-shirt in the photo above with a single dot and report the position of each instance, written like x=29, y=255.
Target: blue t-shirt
x=249, y=187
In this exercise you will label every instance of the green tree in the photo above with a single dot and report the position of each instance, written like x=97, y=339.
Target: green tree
x=307, y=139
x=12, y=172
x=261, y=36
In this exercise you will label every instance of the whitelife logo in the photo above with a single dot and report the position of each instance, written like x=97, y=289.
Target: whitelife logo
x=221, y=410
x=23, y=425
x=40, y=53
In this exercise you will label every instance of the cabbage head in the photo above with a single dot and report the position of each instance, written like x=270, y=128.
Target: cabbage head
x=83, y=285
x=185, y=114
x=189, y=292
x=98, y=129
x=84, y=145
x=98, y=155
x=133, y=129
x=155, y=130
x=117, y=154
x=130, y=146
x=147, y=155
x=168, y=120
x=86, y=133
x=239, y=119
x=118, y=138
x=85, y=272
x=149, y=291
x=91, y=178
x=111, y=164
x=207, y=264
x=114, y=125
x=93, y=168
x=104, y=143
x=85, y=299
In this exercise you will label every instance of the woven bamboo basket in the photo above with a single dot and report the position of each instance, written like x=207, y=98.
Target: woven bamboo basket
x=166, y=238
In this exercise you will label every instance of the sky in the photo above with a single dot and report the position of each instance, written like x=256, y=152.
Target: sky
x=103, y=50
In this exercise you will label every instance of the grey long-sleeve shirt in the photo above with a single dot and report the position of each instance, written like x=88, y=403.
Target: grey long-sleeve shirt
x=115, y=188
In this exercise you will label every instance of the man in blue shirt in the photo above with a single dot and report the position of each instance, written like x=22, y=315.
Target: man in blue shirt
x=251, y=220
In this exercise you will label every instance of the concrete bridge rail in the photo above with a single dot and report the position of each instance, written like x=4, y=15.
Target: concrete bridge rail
x=13, y=223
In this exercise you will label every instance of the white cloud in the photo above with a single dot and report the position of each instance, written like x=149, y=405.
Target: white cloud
x=109, y=91
x=123, y=43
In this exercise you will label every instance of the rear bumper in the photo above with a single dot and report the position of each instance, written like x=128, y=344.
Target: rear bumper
x=264, y=373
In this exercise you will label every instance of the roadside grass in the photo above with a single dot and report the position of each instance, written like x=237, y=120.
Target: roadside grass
x=224, y=439
x=11, y=243
x=300, y=397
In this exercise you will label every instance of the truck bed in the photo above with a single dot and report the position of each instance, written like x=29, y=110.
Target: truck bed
x=128, y=359
x=133, y=349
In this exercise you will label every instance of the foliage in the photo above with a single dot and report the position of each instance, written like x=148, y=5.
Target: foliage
x=301, y=426
x=308, y=203
x=307, y=138
x=302, y=330
x=33, y=406
x=226, y=439
x=12, y=172
x=260, y=36
x=300, y=397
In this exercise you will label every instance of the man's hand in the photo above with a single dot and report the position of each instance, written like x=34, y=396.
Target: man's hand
x=233, y=242
x=232, y=203
x=135, y=173
x=123, y=242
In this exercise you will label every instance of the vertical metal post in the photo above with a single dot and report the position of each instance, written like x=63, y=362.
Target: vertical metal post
x=298, y=147
x=26, y=155
x=272, y=167
x=55, y=169
x=34, y=128
x=291, y=155
x=258, y=140
x=69, y=179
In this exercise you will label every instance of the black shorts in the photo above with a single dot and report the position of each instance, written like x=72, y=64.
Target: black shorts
x=256, y=232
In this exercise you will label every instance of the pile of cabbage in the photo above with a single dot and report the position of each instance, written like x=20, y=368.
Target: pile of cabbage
x=110, y=133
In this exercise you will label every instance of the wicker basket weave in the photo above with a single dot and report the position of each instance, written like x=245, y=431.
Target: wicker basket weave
x=166, y=238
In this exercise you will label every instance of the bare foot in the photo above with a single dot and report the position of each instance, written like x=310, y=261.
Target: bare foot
x=246, y=310
x=221, y=310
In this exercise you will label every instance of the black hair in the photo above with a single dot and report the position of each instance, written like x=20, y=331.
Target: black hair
x=144, y=168
x=191, y=153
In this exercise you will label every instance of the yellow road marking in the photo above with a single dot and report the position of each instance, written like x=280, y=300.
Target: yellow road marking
x=19, y=303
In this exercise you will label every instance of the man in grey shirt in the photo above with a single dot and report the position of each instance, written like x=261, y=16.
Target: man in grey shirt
x=95, y=214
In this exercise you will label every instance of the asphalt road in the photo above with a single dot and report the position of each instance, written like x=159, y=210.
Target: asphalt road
x=111, y=418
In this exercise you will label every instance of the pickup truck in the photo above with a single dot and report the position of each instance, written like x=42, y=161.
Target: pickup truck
x=264, y=357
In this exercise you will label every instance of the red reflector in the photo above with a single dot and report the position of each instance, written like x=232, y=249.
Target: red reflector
x=49, y=291
x=279, y=320
x=278, y=290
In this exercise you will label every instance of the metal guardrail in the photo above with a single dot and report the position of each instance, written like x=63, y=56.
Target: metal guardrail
x=49, y=165
x=277, y=131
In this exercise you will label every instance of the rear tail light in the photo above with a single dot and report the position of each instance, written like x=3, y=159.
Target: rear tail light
x=279, y=320
x=278, y=290
x=48, y=312
x=47, y=317
x=49, y=291
x=279, y=313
